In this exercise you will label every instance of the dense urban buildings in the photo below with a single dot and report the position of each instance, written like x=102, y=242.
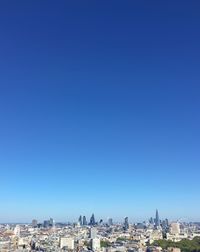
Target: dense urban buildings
x=97, y=236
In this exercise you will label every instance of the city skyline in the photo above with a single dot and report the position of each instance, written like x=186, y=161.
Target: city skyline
x=99, y=109
x=85, y=220
x=98, y=236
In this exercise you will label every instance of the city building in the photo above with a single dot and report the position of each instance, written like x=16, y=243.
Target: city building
x=80, y=221
x=34, y=223
x=51, y=222
x=92, y=220
x=17, y=231
x=95, y=244
x=126, y=224
x=110, y=221
x=67, y=243
x=174, y=228
x=84, y=221
x=46, y=223
x=93, y=233
x=157, y=219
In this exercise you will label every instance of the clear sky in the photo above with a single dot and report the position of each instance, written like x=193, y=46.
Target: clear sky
x=99, y=109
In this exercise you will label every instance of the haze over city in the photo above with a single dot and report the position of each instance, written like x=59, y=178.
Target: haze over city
x=99, y=110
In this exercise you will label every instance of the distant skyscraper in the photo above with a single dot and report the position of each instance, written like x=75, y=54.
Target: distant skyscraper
x=84, y=221
x=126, y=224
x=34, y=223
x=167, y=222
x=157, y=220
x=51, y=222
x=46, y=223
x=92, y=220
x=110, y=221
x=151, y=221
x=80, y=220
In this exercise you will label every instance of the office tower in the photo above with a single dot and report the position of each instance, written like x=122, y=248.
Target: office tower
x=126, y=225
x=34, y=223
x=110, y=221
x=93, y=233
x=80, y=220
x=175, y=228
x=95, y=244
x=92, y=220
x=151, y=221
x=51, y=222
x=67, y=243
x=157, y=220
x=84, y=221
x=46, y=223
x=167, y=222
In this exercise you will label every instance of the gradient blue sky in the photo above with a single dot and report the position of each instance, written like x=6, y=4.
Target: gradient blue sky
x=99, y=109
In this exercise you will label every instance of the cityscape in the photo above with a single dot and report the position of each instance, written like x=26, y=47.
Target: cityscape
x=99, y=235
x=100, y=126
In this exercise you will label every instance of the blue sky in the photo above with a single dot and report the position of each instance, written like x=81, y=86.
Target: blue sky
x=99, y=109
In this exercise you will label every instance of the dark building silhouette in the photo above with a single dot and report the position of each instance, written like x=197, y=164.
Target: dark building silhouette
x=92, y=220
x=110, y=221
x=84, y=221
x=126, y=224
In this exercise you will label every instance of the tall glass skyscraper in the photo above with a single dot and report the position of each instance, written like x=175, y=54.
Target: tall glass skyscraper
x=84, y=221
x=80, y=220
x=92, y=220
x=126, y=225
x=157, y=219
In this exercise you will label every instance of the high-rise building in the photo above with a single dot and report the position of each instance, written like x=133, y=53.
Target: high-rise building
x=157, y=219
x=46, y=223
x=92, y=220
x=34, y=223
x=51, y=222
x=126, y=224
x=165, y=224
x=151, y=221
x=93, y=233
x=95, y=244
x=80, y=220
x=110, y=221
x=84, y=221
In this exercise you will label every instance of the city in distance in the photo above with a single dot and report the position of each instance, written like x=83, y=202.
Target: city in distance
x=100, y=126
x=98, y=235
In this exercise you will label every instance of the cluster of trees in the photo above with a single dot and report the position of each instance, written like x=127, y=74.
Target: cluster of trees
x=185, y=245
x=105, y=244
